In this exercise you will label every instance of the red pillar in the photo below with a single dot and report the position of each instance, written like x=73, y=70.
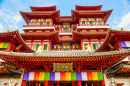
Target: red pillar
x=46, y=83
x=102, y=82
x=58, y=84
x=95, y=83
x=23, y=83
x=73, y=83
x=79, y=83
x=90, y=43
x=100, y=42
x=82, y=45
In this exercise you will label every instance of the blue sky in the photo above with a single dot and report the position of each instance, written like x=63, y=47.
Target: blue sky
x=11, y=19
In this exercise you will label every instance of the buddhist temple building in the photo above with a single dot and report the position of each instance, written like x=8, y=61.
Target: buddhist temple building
x=56, y=50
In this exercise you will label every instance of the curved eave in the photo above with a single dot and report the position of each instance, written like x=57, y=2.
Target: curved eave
x=95, y=13
x=82, y=56
x=49, y=8
x=18, y=37
x=78, y=7
x=34, y=15
x=90, y=33
x=5, y=70
x=24, y=44
x=110, y=35
x=41, y=34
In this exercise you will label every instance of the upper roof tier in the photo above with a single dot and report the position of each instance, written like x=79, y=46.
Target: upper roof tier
x=50, y=8
x=98, y=7
x=80, y=12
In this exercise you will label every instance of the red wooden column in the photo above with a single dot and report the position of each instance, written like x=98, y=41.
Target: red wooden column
x=79, y=83
x=58, y=84
x=31, y=83
x=73, y=83
x=95, y=83
x=46, y=83
x=90, y=43
x=102, y=82
x=82, y=45
x=100, y=41
x=23, y=83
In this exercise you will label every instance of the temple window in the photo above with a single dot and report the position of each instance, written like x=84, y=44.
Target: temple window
x=45, y=46
x=32, y=23
x=95, y=46
x=35, y=47
x=66, y=49
x=39, y=23
x=48, y=23
x=65, y=29
x=91, y=22
x=99, y=22
x=83, y=22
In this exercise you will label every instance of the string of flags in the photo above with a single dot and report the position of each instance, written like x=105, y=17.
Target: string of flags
x=41, y=20
x=66, y=47
x=91, y=19
x=65, y=26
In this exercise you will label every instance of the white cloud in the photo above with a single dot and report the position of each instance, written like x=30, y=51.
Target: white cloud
x=1, y=27
x=10, y=19
x=17, y=18
x=125, y=21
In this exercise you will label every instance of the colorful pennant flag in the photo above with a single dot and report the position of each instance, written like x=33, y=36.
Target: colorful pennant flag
x=4, y=44
x=33, y=20
x=40, y=20
x=63, y=76
x=92, y=19
x=63, y=26
x=125, y=43
x=66, y=47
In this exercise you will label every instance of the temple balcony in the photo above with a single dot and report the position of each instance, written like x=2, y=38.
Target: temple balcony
x=93, y=26
x=65, y=31
x=38, y=27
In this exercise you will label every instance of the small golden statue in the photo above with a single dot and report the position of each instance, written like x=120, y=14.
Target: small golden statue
x=88, y=48
x=122, y=29
x=7, y=30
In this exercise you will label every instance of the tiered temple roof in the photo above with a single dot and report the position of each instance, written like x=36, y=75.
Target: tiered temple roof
x=121, y=70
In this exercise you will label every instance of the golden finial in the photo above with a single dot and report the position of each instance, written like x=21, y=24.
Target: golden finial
x=7, y=30
x=122, y=29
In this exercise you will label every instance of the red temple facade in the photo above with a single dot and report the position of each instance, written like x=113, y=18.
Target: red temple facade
x=64, y=50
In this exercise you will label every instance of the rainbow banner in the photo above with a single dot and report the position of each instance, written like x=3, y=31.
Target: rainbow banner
x=41, y=20
x=63, y=26
x=4, y=44
x=66, y=47
x=99, y=19
x=63, y=76
x=91, y=19
x=33, y=20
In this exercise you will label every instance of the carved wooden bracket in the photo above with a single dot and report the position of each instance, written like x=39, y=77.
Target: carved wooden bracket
x=78, y=65
x=47, y=65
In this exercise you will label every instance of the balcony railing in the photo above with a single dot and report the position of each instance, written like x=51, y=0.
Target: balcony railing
x=93, y=25
x=65, y=31
x=38, y=25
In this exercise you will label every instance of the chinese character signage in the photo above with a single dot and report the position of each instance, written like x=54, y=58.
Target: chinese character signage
x=63, y=67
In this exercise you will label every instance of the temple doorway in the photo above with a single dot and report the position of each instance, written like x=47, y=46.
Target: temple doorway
x=65, y=83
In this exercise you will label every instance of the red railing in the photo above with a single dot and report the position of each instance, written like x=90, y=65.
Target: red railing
x=93, y=25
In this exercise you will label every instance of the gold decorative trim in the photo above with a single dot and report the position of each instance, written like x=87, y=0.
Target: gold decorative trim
x=63, y=70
